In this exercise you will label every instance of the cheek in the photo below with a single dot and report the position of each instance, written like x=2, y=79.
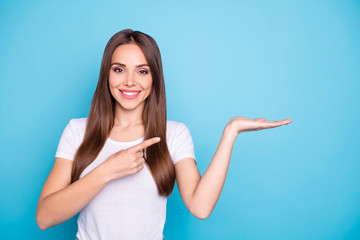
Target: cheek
x=149, y=83
x=112, y=85
x=147, y=86
x=112, y=80
x=112, y=91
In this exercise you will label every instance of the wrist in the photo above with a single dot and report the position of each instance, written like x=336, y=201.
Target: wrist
x=230, y=132
x=103, y=173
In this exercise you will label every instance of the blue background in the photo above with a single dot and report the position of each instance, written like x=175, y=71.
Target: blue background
x=271, y=59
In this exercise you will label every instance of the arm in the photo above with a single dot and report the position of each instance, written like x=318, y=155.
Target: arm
x=200, y=194
x=59, y=200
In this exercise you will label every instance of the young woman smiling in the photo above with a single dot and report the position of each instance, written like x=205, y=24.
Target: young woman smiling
x=118, y=165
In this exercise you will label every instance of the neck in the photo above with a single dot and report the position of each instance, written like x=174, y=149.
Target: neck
x=127, y=118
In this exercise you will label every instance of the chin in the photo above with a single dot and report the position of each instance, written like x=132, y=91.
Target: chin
x=130, y=106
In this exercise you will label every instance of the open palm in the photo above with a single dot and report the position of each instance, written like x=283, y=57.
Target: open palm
x=243, y=124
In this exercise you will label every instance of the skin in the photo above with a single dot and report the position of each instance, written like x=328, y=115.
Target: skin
x=200, y=194
x=59, y=200
x=129, y=71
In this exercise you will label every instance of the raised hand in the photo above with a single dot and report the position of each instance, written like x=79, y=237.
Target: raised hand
x=243, y=124
x=127, y=161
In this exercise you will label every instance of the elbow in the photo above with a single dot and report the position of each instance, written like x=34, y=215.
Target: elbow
x=42, y=227
x=41, y=223
x=201, y=213
x=202, y=216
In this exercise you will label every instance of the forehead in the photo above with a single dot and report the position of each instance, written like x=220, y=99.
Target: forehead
x=129, y=54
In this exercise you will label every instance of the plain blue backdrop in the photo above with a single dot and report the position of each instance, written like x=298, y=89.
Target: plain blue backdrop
x=272, y=59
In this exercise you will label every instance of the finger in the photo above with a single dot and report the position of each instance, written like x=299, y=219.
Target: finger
x=137, y=169
x=145, y=144
x=140, y=161
x=286, y=121
x=272, y=124
x=259, y=119
x=139, y=154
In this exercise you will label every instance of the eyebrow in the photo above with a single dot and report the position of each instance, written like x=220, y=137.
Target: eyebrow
x=124, y=65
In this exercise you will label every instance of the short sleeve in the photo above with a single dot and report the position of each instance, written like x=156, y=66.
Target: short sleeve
x=66, y=147
x=183, y=144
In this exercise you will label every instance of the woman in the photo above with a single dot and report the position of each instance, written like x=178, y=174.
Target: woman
x=119, y=165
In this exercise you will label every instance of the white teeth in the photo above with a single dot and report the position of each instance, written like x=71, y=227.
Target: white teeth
x=130, y=93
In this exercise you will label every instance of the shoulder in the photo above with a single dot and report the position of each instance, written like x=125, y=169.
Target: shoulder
x=174, y=127
x=77, y=126
x=176, y=130
x=171, y=125
x=71, y=138
x=179, y=140
x=78, y=123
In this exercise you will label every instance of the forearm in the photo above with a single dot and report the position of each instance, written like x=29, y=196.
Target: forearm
x=210, y=185
x=64, y=204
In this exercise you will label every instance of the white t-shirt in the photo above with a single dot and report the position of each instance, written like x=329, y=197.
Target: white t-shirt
x=128, y=207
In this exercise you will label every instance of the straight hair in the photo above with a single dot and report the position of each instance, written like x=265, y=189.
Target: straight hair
x=102, y=113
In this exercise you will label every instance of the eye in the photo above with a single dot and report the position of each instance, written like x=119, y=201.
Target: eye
x=117, y=69
x=143, y=71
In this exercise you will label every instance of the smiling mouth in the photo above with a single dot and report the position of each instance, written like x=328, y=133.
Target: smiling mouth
x=129, y=94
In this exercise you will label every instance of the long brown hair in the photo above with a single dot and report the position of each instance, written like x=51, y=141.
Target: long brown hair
x=102, y=112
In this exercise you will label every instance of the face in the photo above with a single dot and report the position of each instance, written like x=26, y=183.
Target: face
x=130, y=78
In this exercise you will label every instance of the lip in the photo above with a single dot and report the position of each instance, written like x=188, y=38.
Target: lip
x=129, y=97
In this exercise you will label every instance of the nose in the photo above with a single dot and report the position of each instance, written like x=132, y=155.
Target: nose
x=130, y=80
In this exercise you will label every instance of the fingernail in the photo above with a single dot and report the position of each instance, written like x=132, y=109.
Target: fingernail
x=287, y=121
x=158, y=139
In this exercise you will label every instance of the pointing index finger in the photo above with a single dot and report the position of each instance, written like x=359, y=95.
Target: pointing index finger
x=146, y=144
